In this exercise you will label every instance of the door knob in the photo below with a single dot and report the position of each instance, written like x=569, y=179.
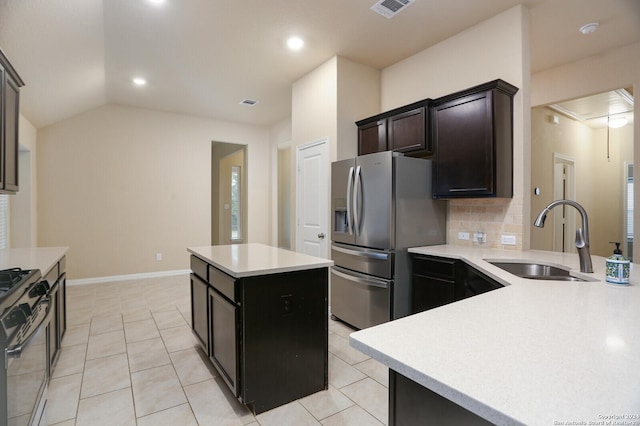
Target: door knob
x=321, y=235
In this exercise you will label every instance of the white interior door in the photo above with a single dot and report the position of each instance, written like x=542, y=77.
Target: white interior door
x=312, y=199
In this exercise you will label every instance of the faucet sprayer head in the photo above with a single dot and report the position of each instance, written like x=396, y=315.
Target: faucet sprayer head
x=539, y=222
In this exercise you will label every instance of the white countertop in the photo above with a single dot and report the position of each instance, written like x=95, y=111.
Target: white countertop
x=43, y=258
x=246, y=260
x=533, y=352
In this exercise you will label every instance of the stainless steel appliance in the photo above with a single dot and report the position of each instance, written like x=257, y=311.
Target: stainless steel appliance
x=24, y=315
x=381, y=204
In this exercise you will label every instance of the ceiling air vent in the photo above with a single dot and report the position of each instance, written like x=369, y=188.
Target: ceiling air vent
x=389, y=8
x=248, y=102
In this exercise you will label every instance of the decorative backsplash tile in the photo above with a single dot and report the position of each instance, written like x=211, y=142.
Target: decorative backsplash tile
x=494, y=217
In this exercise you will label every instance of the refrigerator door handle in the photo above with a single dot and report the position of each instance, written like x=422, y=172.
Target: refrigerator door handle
x=357, y=215
x=359, y=253
x=349, y=206
x=366, y=281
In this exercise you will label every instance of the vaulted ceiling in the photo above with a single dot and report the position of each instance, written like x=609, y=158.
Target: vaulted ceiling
x=203, y=57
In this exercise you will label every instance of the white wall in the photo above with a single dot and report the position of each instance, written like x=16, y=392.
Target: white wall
x=358, y=97
x=119, y=184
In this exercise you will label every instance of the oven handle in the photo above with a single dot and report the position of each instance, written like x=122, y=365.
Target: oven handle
x=16, y=351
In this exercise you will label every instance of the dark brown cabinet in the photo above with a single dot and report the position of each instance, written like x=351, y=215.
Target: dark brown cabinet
x=403, y=129
x=56, y=279
x=10, y=84
x=372, y=137
x=267, y=335
x=472, y=133
x=412, y=404
x=436, y=281
x=433, y=282
x=199, y=311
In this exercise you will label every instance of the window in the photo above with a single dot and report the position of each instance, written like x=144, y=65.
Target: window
x=236, y=205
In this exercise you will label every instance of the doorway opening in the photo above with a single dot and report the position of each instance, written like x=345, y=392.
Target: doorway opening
x=228, y=193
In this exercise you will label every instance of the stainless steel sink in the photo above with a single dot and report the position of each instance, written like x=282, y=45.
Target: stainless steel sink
x=536, y=271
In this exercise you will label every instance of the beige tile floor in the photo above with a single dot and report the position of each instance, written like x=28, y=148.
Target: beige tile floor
x=129, y=357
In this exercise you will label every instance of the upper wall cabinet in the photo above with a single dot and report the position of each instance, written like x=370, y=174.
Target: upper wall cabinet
x=403, y=129
x=10, y=83
x=472, y=133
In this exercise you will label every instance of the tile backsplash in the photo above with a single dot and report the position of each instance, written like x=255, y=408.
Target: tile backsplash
x=494, y=217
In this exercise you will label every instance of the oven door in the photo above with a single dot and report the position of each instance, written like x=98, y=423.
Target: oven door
x=26, y=368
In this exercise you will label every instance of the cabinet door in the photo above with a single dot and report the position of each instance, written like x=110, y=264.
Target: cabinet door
x=3, y=79
x=407, y=131
x=200, y=311
x=412, y=404
x=11, y=136
x=62, y=305
x=475, y=282
x=463, y=144
x=53, y=340
x=372, y=137
x=433, y=282
x=224, y=338
x=430, y=292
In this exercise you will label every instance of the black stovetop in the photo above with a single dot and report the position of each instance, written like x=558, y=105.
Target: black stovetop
x=11, y=280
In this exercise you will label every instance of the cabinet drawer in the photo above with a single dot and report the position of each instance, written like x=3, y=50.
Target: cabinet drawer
x=433, y=266
x=199, y=267
x=222, y=282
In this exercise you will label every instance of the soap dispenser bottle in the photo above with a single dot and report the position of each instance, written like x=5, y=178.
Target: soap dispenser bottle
x=617, y=267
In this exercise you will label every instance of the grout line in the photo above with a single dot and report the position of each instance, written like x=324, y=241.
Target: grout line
x=334, y=327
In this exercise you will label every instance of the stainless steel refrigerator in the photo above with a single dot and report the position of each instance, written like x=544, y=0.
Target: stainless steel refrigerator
x=381, y=205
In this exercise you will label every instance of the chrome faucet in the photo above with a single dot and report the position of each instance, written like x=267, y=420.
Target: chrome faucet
x=582, y=234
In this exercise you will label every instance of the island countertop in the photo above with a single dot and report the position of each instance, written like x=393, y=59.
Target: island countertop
x=246, y=260
x=42, y=258
x=533, y=352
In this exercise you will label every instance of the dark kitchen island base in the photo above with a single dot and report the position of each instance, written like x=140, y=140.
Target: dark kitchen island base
x=266, y=334
x=412, y=404
x=285, y=338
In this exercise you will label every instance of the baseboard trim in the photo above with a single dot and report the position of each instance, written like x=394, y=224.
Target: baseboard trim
x=98, y=280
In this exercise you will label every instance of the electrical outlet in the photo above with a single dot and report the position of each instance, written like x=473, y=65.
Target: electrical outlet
x=463, y=236
x=158, y=257
x=287, y=304
x=508, y=240
x=479, y=237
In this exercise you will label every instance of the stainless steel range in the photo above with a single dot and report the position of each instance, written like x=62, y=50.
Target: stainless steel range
x=24, y=315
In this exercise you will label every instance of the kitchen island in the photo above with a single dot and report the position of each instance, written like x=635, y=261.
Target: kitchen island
x=533, y=352
x=260, y=314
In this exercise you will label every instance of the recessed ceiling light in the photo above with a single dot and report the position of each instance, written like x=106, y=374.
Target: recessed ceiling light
x=589, y=28
x=248, y=102
x=295, y=43
x=139, y=81
x=157, y=2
